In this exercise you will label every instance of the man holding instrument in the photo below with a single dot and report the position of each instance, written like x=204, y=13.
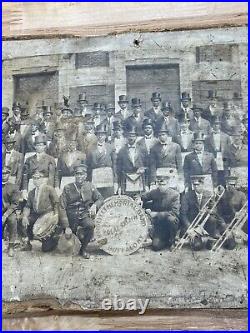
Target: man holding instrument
x=42, y=202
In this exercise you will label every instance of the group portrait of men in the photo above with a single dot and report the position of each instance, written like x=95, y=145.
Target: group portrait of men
x=60, y=164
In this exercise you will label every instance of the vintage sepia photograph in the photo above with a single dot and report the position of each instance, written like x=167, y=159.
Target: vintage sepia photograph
x=125, y=170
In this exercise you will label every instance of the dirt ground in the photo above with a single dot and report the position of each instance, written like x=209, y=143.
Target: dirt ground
x=168, y=280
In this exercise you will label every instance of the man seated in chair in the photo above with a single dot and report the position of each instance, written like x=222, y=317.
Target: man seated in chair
x=163, y=206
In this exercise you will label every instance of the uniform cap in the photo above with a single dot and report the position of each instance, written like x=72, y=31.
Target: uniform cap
x=197, y=179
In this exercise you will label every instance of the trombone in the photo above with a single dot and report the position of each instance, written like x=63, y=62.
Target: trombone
x=236, y=224
x=201, y=218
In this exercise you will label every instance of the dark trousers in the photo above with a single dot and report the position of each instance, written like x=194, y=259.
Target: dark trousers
x=163, y=232
x=11, y=227
x=82, y=226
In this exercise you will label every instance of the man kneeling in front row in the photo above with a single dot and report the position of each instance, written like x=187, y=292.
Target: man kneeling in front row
x=79, y=203
x=163, y=206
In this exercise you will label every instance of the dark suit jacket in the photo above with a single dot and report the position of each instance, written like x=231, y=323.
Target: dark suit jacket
x=10, y=196
x=237, y=157
x=180, y=114
x=16, y=166
x=225, y=142
x=190, y=206
x=67, y=161
x=48, y=200
x=131, y=120
x=96, y=159
x=46, y=164
x=204, y=126
x=192, y=166
x=173, y=125
x=152, y=114
x=231, y=202
x=169, y=158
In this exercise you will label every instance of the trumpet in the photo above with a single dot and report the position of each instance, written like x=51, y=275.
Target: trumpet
x=236, y=224
x=201, y=218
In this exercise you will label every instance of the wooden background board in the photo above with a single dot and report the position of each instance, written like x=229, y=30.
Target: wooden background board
x=49, y=19
x=44, y=20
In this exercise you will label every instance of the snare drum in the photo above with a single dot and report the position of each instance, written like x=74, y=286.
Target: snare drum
x=45, y=226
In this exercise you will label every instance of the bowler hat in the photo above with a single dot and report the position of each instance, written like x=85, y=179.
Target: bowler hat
x=123, y=99
x=156, y=95
x=82, y=97
x=5, y=110
x=135, y=102
x=40, y=139
x=199, y=136
x=185, y=96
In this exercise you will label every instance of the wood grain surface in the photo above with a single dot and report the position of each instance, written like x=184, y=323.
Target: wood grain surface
x=157, y=320
x=52, y=19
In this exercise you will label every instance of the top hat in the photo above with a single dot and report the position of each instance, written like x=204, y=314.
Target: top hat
x=123, y=98
x=135, y=102
x=81, y=167
x=197, y=179
x=237, y=96
x=47, y=109
x=40, y=139
x=162, y=128
x=116, y=125
x=236, y=131
x=102, y=128
x=199, y=136
x=217, y=120
x=231, y=179
x=211, y=94
x=147, y=122
x=82, y=97
x=25, y=112
x=110, y=106
x=185, y=96
x=226, y=106
x=156, y=95
x=16, y=105
x=5, y=110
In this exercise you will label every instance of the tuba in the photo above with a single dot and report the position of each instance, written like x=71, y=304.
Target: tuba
x=201, y=218
x=235, y=225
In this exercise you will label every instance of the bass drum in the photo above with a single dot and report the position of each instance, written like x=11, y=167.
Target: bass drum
x=45, y=226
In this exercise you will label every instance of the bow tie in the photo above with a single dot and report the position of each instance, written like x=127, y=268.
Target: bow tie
x=148, y=137
x=131, y=147
x=8, y=152
x=199, y=153
x=100, y=145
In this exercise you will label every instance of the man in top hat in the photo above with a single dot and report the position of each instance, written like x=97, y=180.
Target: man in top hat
x=16, y=110
x=212, y=111
x=57, y=145
x=48, y=124
x=123, y=113
x=79, y=203
x=185, y=112
x=118, y=140
x=10, y=204
x=131, y=164
x=192, y=203
x=165, y=154
x=82, y=105
x=68, y=122
x=29, y=138
x=42, y=201
x=25, y=121
x=230, y=204
x=41, y=162
x=155, y=111
x=147, y=142
x=197, y=123
x=98, y=115
x=218, y=143
x=200, y=162
x=136, y=118
x=168, y=118
x=163, y=206
x=14, y=161
x=109, y=119
x=86, y=138
x=228, y=119
x=101, y=163
x=185, y=137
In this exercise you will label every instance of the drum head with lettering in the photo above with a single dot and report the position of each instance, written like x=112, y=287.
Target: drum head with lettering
x=123, y=224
